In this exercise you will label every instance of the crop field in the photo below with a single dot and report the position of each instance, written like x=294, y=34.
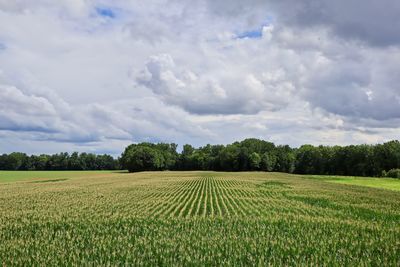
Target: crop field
x=196, y=219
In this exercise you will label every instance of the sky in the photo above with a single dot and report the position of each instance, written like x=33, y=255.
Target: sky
x=96, y=75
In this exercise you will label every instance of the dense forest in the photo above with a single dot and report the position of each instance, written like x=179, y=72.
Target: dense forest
x=258, y=155
x=61, y=161
x=247, y=155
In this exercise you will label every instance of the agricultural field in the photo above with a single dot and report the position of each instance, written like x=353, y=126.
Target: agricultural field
x=195, y=219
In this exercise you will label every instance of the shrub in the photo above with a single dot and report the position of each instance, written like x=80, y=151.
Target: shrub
x=393, y=173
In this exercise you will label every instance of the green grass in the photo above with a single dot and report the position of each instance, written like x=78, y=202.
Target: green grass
x=385, y=183
x=197, y=219
x=13, y=176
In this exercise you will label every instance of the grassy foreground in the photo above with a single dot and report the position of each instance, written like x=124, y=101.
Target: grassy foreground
x=13, y=176
x=196, y=218
x=385, y=183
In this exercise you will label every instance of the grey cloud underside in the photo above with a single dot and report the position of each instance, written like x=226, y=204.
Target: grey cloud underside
x=358, y=89
x=376, y=22
x=89, y=123
x=177, y=71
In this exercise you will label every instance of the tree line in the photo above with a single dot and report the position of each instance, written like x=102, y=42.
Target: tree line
x=61, y=161
x=248, y=155
x=259, y=155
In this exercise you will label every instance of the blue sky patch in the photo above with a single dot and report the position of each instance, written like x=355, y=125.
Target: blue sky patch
x=105, y=12
x=255, y=34
x=2, y=46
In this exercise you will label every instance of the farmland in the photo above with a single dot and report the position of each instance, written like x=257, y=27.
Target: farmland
x=195, y=218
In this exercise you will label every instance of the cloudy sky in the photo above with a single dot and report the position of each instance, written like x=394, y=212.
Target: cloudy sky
x=96, y=75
